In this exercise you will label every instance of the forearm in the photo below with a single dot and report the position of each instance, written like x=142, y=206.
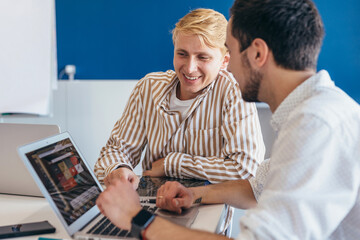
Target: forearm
x=237, y=193
x=163, y=229
x=182, y=165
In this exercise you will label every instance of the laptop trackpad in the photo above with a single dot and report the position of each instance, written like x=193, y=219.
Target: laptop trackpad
x=186, y=218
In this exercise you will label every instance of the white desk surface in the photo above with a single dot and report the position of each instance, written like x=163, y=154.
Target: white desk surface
x=20, y=209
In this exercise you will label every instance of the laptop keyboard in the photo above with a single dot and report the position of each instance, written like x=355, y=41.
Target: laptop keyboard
x=105, y=227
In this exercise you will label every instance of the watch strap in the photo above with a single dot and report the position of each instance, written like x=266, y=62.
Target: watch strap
x=140, y=222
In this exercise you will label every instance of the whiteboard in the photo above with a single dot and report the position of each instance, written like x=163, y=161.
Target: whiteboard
x=27, y=56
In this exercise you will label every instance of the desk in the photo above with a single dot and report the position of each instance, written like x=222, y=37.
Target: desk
x=20, y=209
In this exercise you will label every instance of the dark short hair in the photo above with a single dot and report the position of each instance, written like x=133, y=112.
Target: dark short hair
x=292, y=29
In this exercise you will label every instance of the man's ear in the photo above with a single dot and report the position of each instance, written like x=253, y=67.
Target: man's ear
x=259, y=52
x=225, y=61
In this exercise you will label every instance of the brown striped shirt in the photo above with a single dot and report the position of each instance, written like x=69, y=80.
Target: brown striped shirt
x=219, y=139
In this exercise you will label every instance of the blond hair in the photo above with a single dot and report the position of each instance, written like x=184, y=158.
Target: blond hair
x=207, y=24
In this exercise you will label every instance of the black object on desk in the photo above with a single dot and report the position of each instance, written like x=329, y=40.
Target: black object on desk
x=26, y=229
x=148, y=186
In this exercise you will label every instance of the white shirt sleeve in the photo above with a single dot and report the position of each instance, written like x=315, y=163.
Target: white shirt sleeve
x=257, y=182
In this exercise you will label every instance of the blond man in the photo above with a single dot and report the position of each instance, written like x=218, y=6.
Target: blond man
x=192, y=121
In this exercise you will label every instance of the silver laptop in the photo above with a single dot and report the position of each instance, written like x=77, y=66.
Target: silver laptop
x=71, y=188
x=14, y=177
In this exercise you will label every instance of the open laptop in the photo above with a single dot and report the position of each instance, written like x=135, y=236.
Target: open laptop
x=14, y=176
x=71, y=188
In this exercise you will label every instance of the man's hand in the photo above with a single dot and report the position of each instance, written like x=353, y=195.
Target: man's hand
x=157, y=169
x=119, y=202
x=122, y=172
x=173, y=196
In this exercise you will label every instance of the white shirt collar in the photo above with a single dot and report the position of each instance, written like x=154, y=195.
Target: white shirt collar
x=298, y=95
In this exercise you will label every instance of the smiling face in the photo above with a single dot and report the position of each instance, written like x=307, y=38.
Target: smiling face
x=196, y=65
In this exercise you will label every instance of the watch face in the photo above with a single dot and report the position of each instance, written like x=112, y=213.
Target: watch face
x=142, y=218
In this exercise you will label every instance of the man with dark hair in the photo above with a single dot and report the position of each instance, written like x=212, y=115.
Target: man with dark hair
x=310, y=188
x=293, y=33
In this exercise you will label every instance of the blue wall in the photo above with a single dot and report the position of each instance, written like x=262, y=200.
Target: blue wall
x=340, y=54
x=115, y=39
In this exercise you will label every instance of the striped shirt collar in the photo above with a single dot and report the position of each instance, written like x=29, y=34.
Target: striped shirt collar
x=297, y=96
x=165, y=101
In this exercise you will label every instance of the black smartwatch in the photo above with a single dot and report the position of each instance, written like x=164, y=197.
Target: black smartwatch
x=140, y=222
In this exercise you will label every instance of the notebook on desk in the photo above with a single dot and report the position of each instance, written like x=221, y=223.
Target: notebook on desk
x=14, y=177
x=71, y=188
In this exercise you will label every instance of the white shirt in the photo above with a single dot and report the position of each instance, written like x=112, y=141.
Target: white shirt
x=312, y=186
x=181, y=106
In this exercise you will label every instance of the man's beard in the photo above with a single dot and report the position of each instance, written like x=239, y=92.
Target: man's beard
x=251, y=90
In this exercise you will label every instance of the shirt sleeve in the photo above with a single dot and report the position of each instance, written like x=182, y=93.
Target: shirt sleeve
x=242, y=147
x=257, y=182
x=127, y=139
x=310, y=184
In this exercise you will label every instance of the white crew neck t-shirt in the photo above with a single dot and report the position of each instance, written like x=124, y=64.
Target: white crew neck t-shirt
x=181, y=106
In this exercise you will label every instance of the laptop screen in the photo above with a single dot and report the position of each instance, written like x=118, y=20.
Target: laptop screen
x=66, y=178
